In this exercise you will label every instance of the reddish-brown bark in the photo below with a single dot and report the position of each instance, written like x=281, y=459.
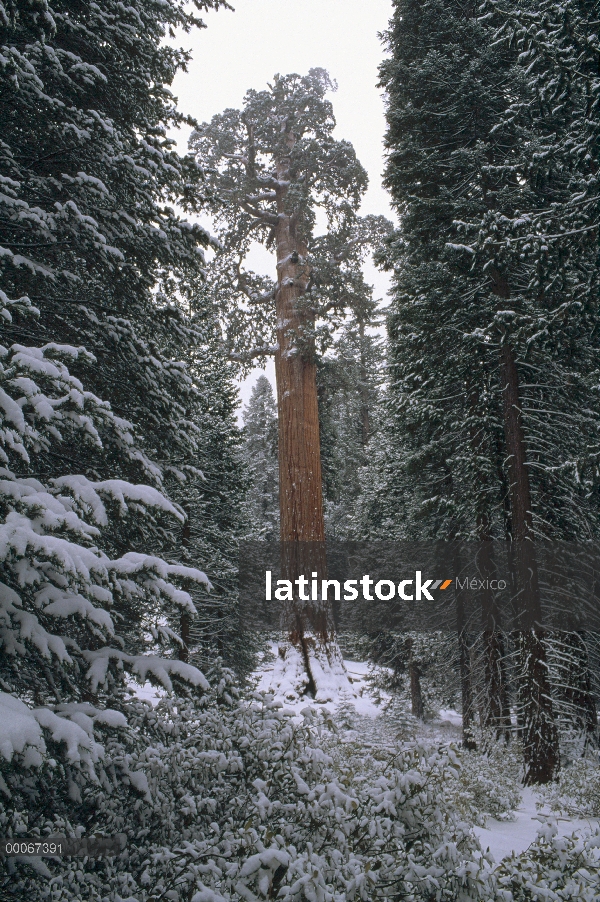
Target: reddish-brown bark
x=302, y=523
x=300, y=491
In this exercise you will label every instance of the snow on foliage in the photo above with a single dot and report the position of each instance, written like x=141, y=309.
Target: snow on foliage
x=242, y=802
x=577, y=789
x=62, y=598
x=233, y=798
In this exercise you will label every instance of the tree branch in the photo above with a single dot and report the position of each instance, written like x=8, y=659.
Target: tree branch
x=246, y=356
x=263, y=215
x=251, y=164
x=257, y=198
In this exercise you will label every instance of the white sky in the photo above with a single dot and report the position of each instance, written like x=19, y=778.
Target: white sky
x=244, y=49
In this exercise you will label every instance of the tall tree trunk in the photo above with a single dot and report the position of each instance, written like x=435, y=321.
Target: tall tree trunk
x=184, y=627
x=496, y=713
x=300, y=486
x=540, y=736
x=300, y=489
x=302, y=523
x=365, y=423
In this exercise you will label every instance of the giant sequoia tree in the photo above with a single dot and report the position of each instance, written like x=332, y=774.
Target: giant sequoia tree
x=270, y=169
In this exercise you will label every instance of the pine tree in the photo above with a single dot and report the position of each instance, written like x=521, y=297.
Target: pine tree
x=349, y=379
x=260, y=456
x=91, y=237
x=75, y=621
x=88, y=435
x=489, y=330
x=88, y=229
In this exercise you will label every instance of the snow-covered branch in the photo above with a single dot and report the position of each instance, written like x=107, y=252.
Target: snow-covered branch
x=246, y=356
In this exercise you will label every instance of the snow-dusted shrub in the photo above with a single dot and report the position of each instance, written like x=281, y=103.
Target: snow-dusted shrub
x=235, y=800
x=402, y=724
x=489, y=781
x=576, y=791
x=552, y=869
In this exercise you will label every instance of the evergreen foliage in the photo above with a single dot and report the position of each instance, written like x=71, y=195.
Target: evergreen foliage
x=349, y=381
x=240, y=150
x=214, y=499
x=476, y=165
x=88, y=226
x=260, y=456
x=93, y=589
x=92, y=239
x=491, y=428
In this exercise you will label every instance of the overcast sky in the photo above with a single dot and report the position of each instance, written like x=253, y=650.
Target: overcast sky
x=244, y=49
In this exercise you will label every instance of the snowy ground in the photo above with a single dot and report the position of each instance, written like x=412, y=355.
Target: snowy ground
x=504, y=837
x=372, y=725
x=271, y=678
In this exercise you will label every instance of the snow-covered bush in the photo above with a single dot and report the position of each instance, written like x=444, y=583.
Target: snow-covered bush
x=576, y=791
x=553, y=869
x=233, y=799
x=489, y=781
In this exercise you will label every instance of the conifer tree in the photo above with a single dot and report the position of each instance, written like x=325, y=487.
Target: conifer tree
x=90, y=235
x=269, y=168
x=260, y=456
x=88, y=226
x=93, y=387
x=490, y=330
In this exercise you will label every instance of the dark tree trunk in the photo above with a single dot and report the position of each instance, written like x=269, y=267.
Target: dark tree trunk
x=184, y=627
x=464, y=660
x=496, y=711
x=414, y=675
x=540, y=736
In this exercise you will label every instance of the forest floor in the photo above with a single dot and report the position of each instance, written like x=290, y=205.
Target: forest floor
x=366, y=715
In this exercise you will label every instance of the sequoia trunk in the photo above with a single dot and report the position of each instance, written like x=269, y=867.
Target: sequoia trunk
x=302, y=524
x=300, y=491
